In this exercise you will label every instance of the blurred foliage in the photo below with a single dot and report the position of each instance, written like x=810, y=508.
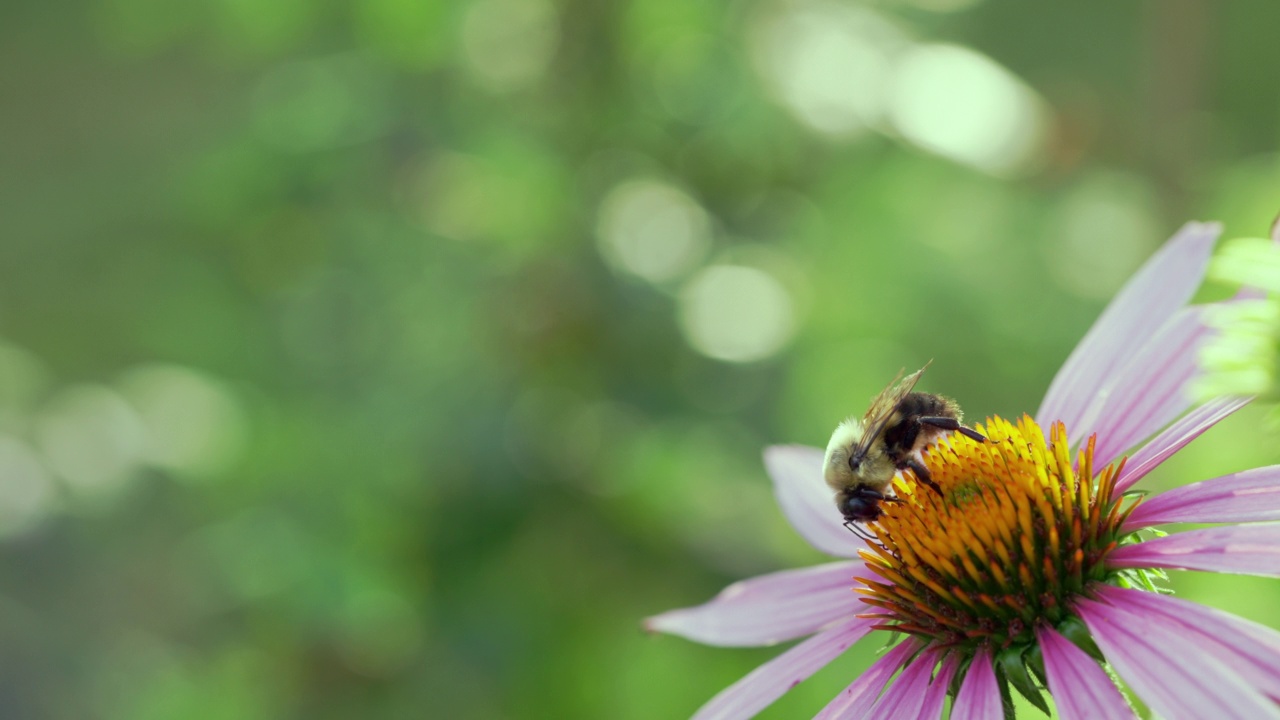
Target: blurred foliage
x=1241, y=359
x=385, y=358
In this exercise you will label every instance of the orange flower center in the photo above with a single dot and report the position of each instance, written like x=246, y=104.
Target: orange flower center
x=1015, y=534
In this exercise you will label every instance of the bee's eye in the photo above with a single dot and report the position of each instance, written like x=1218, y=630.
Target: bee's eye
x=851, y=506
x=861, y=504
x=858, y=508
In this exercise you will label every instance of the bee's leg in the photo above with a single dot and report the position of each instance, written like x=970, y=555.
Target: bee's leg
x=861, y=532
x=881, y=497
x=946, y=423
x=922, y=474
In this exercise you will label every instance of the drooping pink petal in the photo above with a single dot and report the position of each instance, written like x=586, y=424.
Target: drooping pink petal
x=1249, y=496
x=1149, y=391
x=771, y=680
x=1241, y=549
x=855, y=701
x=935, y=699
x=807, y=501
x=1159, y=289
x=1080, y=687
x=1252, y=650
x=979, y=696
x=1176, y=437
x=905, y=697
x=1170, y=671
x=768, y=609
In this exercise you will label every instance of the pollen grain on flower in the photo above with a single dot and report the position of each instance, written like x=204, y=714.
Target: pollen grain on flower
x=1016, y=533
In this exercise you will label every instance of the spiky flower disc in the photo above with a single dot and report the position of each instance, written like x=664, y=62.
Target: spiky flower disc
x=1017, y=532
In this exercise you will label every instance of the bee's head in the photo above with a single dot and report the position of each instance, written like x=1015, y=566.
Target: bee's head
x=849, y=463
x=838, y=468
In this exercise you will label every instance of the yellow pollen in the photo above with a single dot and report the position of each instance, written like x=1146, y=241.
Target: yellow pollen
x=1017, y=531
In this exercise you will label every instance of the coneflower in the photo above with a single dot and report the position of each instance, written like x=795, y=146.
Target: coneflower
x=1034, y=568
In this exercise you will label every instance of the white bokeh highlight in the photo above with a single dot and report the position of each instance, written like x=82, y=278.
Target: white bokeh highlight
x=27, y=492
x=508, y=44
x=91, y=438
x=829, y=64
x=195, y=426
x=652, y=230
x=736, y=313
x=962, y=105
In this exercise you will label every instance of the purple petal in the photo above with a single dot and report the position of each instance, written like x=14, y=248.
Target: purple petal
x=1242, y=549
x=905, y=697
x=937, y=695
x=807, y=501
x=1170, y=671
x=1149, y=391
x=1251, y=649
x=1249, y=496
x=1163, y=285
x=768, y=609
x=857, y=699
x=1176, y=437
x=979, y=696
x=1080, y=688
x=773, y=679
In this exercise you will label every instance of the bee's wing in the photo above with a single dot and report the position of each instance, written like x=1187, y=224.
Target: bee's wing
x=883, y=407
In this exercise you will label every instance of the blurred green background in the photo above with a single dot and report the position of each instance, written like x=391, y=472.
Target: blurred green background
x=395, y=358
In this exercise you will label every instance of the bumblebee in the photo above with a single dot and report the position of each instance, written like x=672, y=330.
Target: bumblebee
x=865, y=454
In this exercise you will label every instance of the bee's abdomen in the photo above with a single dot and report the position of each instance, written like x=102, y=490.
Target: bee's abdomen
x=926, y=405
x=901, y=435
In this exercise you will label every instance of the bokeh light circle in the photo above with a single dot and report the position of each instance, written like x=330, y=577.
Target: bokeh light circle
x=194, y=424
x=962, y=105
x=91, y=438
x=508, y=44
x=736, y=313
x=829, y=65
x=27, y=493
x=652, y=230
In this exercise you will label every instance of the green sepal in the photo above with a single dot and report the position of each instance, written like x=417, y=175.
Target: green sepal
x=1014, y=665
x=891, y=641
x=958, y=678
x=1006, y=698
x=1074, y=629
x=1035, y=662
